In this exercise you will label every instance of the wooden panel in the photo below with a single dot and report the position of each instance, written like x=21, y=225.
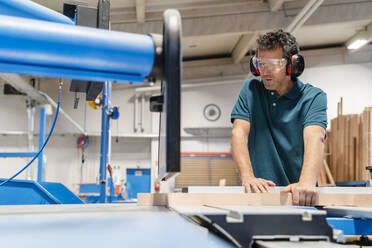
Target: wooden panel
x=224, y=169
x=194, y=172
x=207, y=172
x=248, y=199
x=189, y=199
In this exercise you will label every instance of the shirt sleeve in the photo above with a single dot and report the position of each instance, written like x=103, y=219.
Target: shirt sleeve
x=317, y=113
x=242, y=108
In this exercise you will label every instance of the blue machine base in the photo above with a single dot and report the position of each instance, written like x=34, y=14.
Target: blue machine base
x=351, y=226
x=352, y=184
x=26, y=192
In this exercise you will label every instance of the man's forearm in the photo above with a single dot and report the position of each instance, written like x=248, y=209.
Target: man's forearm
x=313, y=158
x=239, y=146
x=240, y=154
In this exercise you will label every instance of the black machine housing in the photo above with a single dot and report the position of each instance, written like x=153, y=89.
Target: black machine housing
x=169, y=102
x=167, y=67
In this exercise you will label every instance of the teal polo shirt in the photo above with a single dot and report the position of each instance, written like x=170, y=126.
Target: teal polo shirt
x=275, y=143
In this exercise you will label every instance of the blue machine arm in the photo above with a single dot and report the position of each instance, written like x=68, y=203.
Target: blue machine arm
x=31, y=10
x=41, y=48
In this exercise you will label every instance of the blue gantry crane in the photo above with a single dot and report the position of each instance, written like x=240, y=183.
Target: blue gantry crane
x=41, y=42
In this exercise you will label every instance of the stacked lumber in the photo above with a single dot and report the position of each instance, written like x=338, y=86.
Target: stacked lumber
x=207, y=172
x=349, y=146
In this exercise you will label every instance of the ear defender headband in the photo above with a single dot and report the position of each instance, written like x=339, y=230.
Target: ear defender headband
x=295, y=66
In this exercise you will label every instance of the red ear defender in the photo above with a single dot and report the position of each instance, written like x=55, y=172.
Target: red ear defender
x=254, y=67
x=295, y=66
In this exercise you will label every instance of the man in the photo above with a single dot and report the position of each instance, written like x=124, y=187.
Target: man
x=281, y=120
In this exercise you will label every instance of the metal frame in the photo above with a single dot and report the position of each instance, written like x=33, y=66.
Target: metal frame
x=40, y=165
x=40, y=172
x=17, y=154
x=104, y=56
x=105, y=141
x=103, y=22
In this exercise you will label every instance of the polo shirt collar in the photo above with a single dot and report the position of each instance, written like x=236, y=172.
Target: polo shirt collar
x=295, y=91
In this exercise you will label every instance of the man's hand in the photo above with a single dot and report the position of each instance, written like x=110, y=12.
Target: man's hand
x=302, y=194
x=257, y=185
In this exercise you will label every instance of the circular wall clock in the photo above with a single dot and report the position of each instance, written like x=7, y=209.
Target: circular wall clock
x=212, y=112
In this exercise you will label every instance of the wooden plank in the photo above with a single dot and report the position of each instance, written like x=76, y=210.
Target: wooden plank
x=327, y=156
x=339, y=107
x=328, y=172
x=370, y=137
x=248, y=199
x=322, y=181
x=335, y=146
x=354, y=158
x=190, y=199
x=368, y=142
x=346, y=148
x=367, y=148
x=359, y=149
x=340, y=149
x=353, y=146
x=363, y=144
x=152, y=199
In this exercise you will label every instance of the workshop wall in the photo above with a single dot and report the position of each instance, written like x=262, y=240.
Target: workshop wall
x=124, y=98
x=350, y=81
x=63, y=159
x=353, y=82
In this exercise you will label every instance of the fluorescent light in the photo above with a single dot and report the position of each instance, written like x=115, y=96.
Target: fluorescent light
x=361, y=38
x=357, y=44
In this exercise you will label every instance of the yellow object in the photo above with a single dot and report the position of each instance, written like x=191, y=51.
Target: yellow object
x=92, y=104
x=96, y=103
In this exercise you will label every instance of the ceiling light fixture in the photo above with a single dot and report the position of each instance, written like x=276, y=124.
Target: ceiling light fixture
x=357, y=44
x=360, y=39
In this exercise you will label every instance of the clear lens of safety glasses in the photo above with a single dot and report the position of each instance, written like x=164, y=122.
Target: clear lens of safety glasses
x=269, y=63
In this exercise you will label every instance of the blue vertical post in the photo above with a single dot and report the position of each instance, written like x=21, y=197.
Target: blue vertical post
x=105, y=140
x=40, y=176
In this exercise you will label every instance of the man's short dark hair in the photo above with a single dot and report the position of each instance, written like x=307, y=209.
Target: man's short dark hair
x=278, y=39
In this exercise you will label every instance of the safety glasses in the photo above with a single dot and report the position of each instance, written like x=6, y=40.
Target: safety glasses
x=270, y=64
